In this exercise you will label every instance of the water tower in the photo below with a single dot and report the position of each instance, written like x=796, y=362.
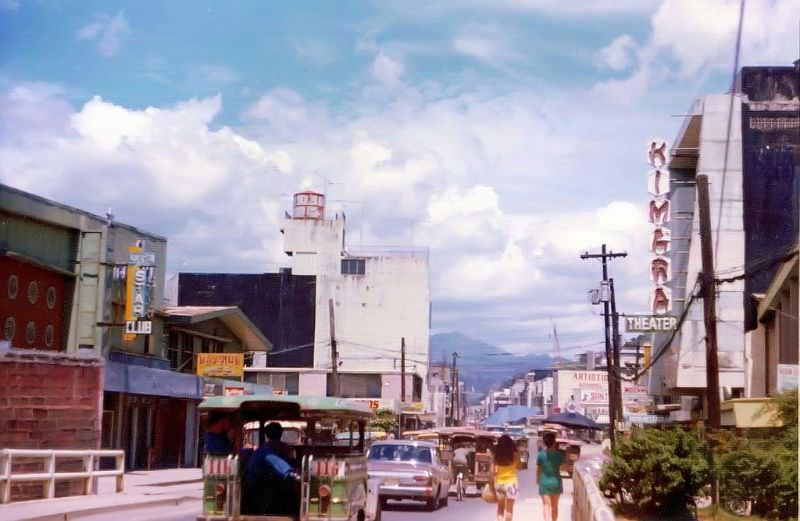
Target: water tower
x=309, y=205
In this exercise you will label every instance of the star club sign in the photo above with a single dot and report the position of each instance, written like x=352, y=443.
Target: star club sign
x=658, y=211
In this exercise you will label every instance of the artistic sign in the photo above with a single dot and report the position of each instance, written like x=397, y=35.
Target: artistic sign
x=224, y=365
x=658, y=212
x=593, y=394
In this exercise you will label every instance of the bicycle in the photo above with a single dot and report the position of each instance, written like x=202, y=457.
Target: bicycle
x=460, y=489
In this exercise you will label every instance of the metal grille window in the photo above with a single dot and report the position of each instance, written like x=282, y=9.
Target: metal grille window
x=353, y=266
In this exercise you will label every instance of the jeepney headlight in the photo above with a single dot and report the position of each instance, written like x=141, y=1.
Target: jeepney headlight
x=324, y=498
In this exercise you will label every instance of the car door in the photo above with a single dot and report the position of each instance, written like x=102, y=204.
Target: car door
x=441, y=471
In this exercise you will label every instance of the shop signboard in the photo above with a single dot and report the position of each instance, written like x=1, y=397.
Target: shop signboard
x=224, y=365
x=787, y=377
x=635, y=399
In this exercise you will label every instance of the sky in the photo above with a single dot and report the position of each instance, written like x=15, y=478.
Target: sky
x=507, y=136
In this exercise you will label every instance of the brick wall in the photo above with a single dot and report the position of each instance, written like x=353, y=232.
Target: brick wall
x=49, y=401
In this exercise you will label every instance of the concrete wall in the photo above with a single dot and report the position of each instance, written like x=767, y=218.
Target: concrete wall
x=49, y=401
x=373, y=311
x=729, y=247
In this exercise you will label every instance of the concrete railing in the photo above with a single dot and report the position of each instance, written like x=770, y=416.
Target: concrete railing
x=89, y=475
x=588, y=503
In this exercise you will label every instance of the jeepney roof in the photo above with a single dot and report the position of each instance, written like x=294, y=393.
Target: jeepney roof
x=300, y=405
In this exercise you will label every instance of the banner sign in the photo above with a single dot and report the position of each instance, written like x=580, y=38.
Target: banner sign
x=650, y=323
x=139, y=281
x=220, y=364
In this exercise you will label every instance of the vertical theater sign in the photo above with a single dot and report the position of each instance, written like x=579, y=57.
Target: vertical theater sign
x=660, y=243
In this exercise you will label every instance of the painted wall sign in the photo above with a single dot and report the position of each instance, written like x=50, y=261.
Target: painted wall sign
x=650, y=324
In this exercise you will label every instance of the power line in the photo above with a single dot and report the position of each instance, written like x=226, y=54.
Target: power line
x=730, y=123
x=665, y=346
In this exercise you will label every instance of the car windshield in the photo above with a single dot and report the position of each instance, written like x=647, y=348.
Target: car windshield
x=400, y=453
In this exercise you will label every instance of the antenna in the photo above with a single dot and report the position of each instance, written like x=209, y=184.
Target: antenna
x=558, y=344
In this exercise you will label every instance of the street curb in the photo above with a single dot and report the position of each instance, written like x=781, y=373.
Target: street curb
x=92, y=511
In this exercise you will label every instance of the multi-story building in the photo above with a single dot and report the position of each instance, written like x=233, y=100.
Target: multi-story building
x=375, y=303
x=754, y=222
x=81, y=284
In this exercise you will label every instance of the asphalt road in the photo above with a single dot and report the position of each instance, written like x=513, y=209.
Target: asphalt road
x=470, y=509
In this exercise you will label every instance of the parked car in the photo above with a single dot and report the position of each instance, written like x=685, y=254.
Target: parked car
x=409, y=469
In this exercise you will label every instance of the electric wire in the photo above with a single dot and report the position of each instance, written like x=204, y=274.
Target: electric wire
x=736, y=54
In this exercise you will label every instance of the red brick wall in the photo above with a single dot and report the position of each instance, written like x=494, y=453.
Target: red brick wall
x=49, y=401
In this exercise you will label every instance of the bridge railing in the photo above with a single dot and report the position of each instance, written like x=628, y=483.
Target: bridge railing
x=88, y=474
x=588, y=502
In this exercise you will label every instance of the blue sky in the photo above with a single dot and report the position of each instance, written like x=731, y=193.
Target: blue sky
x=506, y=135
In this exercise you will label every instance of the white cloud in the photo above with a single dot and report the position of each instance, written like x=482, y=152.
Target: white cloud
x=107, y=32
x=690, y=39
x=386, y=69
x=619, y=54
x=488, y=43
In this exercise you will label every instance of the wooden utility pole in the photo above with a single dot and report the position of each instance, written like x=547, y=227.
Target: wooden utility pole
x=615, y=339
x=334, y=352
x=402, y=370
x=604, y=256
x=453, y=391
x=709, y=303
x=709, y=291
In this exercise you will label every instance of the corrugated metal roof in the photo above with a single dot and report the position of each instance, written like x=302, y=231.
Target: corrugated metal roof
x=192, y=311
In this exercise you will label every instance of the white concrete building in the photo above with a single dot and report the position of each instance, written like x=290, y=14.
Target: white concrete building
x=380, y=298
x=754, y=220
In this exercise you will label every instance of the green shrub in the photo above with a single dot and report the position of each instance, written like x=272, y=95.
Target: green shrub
x=763, y=470
x=657, y=472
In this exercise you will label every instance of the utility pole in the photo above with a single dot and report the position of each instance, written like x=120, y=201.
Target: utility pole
x=709, y=291
x=334, y=352
x=453, y=391
x=616, y=352
x=402, y=370
x=604, y=256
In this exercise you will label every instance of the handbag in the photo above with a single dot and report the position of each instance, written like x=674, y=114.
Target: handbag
x=489, y=495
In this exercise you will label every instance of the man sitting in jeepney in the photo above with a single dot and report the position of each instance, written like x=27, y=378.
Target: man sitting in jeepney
x=271, y=483
x=218, y=434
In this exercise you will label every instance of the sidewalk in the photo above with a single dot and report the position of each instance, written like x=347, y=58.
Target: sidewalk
x=143, y=489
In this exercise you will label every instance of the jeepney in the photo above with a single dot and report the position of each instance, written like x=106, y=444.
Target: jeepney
x=328, y=455
x=478, y=444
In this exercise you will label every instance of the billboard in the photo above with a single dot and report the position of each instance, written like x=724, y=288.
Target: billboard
x=635, y=399
x=220, y=364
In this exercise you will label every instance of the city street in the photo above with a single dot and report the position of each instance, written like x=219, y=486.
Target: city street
x=472, y=508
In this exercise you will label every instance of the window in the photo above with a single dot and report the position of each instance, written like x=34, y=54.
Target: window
x=353, y=266
x=400, y=453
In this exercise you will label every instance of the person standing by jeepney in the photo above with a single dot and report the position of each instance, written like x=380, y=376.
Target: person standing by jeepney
x=548, y=475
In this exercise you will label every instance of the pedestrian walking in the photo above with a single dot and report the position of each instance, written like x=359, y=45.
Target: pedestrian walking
x=505, y=477
x=548, y=475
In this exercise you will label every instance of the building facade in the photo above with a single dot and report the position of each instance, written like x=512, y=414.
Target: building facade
x=81, y=284
x=754, y=221
x=378, y=301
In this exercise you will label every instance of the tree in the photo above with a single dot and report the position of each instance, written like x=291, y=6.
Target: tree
x=657, y=472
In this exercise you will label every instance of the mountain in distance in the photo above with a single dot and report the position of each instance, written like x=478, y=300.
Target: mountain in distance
x=482, y=366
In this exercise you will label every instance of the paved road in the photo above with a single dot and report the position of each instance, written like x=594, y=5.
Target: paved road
x=471, y=509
